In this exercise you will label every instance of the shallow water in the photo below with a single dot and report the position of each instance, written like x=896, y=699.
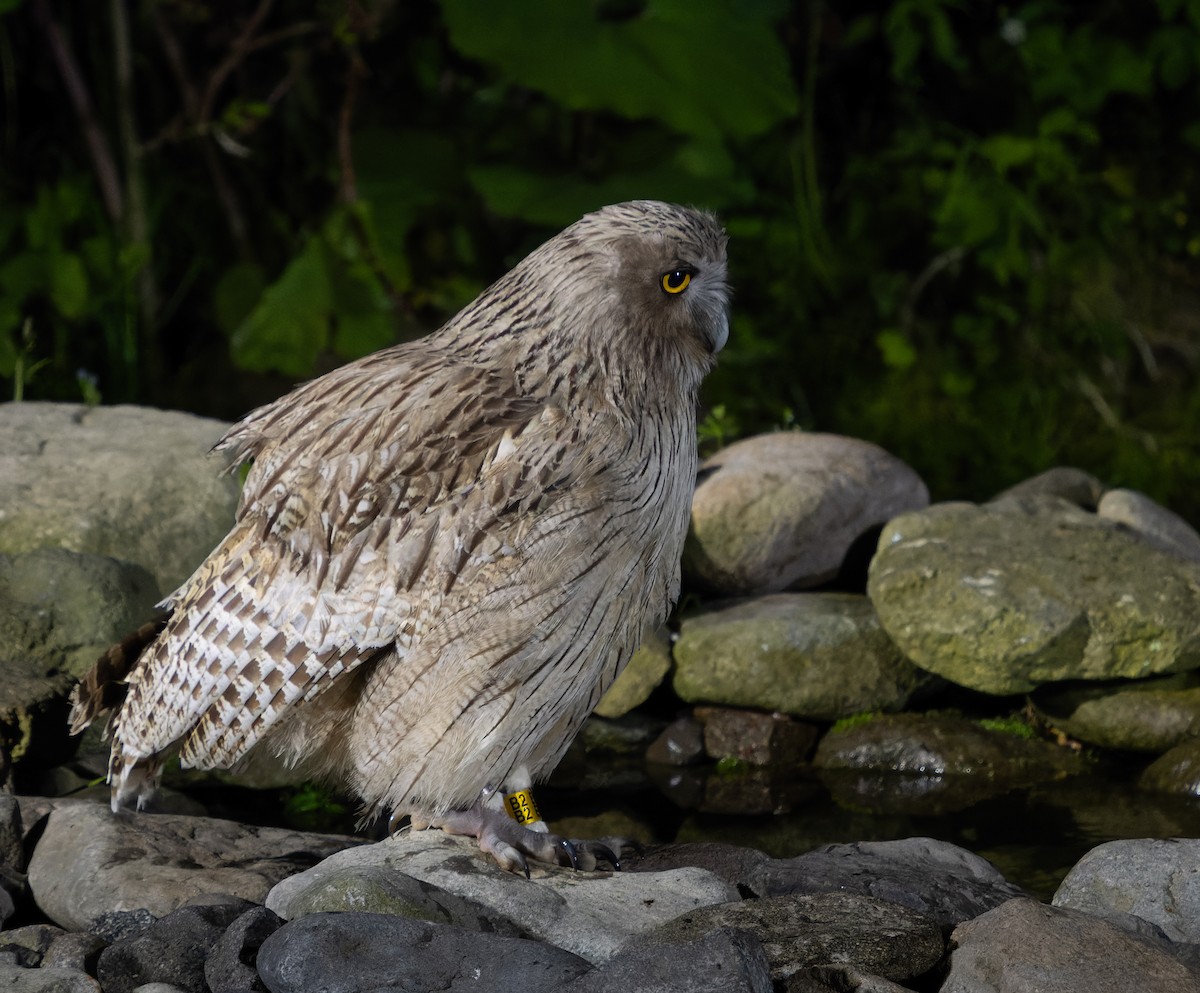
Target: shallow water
x=1033, y=834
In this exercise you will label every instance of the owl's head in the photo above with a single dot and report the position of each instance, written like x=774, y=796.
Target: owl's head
x=648, y=268
x=635, y=290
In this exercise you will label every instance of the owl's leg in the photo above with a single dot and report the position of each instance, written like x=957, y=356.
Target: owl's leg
x=506, y=841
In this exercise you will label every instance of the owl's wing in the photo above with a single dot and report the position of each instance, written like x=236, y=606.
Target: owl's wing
x=364, y=503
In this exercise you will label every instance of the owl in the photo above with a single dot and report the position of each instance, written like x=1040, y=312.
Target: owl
x=446, y=551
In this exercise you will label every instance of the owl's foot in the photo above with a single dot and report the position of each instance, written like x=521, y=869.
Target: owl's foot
x=511, y=844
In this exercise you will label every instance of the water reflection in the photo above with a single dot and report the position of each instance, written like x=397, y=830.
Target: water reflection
x=1032, y=833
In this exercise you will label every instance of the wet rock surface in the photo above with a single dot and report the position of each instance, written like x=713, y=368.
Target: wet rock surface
x=428, y=911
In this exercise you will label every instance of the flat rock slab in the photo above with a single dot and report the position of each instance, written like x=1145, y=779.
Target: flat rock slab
x=1007, y=596
x=589, y=914
x=1155, y=878
x=1023, y=946
x=943, y=744
x=814, y=655
x=153, y=495
x=935, y=878
x=782, y=510
x=1149, y=715
x=802, y=930
x=90, y=862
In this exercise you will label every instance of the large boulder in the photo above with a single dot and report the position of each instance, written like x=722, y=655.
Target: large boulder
x=1153, y=878
x=59, y=611
x=1023, y=591
x=815, y=655
x=90, y=862
x=782, y=510
x=437, y=877
x=130, y=482
x=1144, y=715
x=1022, y=946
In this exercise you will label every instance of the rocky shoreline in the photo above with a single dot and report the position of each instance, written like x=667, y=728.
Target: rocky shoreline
x=835, y=626
x=158, y=902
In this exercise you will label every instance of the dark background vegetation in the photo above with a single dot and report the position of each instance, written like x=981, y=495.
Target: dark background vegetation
x=967, y=231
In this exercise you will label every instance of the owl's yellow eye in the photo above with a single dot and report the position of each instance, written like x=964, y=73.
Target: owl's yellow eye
x=676, y=281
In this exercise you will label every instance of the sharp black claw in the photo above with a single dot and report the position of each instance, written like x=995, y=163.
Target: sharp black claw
x=572, y=855
x=604, y=852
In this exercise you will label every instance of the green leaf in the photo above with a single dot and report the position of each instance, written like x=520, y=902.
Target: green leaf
x=237, y=291
x=288, y=328
x=897, y=351
x=68, y=284
x=715, y=68
x=1007, y=150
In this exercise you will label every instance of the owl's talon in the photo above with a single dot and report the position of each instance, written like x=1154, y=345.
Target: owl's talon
x=598, y=850
x=572, y=855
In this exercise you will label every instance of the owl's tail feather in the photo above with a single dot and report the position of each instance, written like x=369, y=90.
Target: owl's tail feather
x=103, y=687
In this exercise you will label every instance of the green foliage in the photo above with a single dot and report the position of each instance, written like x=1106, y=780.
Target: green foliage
x=1015, y=726
x=853, y=721
x=312, y=808
x=966, y=232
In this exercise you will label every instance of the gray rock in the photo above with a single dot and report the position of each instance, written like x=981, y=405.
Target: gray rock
x=1151, y=522
x=77, y=950
x=588, y=914
x=1007, y=596
x=781, y=510
x=681, y=743
x=12, y=833
x=722, y=961
x=352, y=952
x=809, y=929
x=755, y=737
x=814, y=655
x=1073, y=485
x=153, y=496
x=1023, y=946
x=59, y=611
x=645, y=671
x=90, y=861
x=36, y=939
x=21, y=980
x=172, y=950
x=229, y=967
x=1176, y=771
x=940, y=744
x=1146, y=715
x=942, y=881
x=1154, y=878
x=739, y=866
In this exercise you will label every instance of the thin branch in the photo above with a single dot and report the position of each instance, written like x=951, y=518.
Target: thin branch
x=347, y=183
x=237, y=52
x=138, y=226
x=103, y=162
x=231, y=208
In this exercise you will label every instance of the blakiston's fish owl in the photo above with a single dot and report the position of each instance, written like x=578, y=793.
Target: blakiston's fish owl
x=446, y=551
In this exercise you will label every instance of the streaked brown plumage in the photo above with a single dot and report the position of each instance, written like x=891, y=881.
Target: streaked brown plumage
x=446, y=551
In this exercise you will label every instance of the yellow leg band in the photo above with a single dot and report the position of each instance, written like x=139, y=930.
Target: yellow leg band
x=521, y=807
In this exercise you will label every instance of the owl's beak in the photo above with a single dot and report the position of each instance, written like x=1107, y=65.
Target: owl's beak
x=719, y=333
